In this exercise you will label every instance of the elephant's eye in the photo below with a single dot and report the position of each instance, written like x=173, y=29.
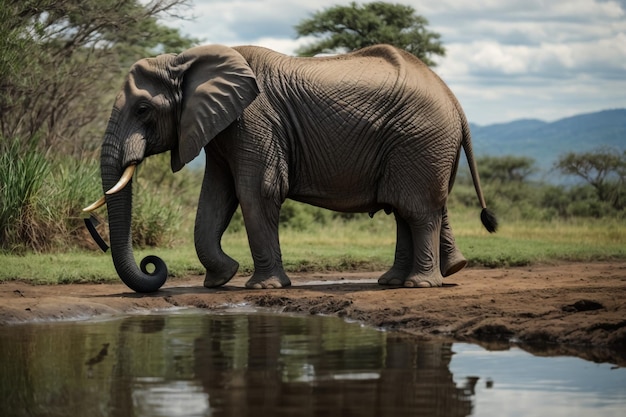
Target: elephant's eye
x=142, y=110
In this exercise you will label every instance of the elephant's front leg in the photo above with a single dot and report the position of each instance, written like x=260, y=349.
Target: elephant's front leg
x=216, y=207
x=261, y=219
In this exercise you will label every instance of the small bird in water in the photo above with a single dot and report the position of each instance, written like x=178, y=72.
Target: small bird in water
x=100, y=356
x=96, y=359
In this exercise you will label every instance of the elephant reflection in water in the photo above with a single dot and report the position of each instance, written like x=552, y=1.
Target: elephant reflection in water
x=400, y=376
x=134, y=332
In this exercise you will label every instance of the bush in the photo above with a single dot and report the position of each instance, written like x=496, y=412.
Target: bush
x=556, y=200
x=155, y=218
x=300, y=216
x=156, y=215
x=74, y=185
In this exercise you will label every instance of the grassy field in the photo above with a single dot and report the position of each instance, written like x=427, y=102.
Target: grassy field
x=361, y=244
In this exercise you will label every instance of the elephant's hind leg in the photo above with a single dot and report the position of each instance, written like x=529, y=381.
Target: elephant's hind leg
x=403, y=259
x=452, y=260
x=425, y=230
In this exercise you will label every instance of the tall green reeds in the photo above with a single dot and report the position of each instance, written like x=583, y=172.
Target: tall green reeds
x=23, y=171
x=40, y=199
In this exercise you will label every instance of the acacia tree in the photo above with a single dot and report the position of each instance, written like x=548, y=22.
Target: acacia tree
x=603, y=169
x=60, y=58
x=347, y=28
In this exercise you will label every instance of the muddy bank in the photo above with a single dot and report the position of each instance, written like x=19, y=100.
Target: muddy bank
x=574, y=309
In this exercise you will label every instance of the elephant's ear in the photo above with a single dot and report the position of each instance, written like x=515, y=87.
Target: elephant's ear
x=217, y=84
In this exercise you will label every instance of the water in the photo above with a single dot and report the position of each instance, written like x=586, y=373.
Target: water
x=238, y=364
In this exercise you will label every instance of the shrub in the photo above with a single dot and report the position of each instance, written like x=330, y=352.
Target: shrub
x=74, y=184
x=299, y=216
x=155, y=218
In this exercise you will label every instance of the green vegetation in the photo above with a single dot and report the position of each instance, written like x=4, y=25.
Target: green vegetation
x=604, y=170
x=62, y=60
x=60, y=64
x=22, y=179
x=51, y=123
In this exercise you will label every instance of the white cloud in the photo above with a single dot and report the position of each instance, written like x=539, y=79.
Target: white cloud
x=505, y=58
x=243, y=21
x=285, y=46
x=515, y=9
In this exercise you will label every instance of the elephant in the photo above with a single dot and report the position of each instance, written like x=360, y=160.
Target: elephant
x=371, y=130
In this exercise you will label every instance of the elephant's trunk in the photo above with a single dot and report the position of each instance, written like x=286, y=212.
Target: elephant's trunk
x=119, y=207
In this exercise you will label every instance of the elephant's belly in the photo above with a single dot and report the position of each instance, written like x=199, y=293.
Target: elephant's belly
x=343, y=202
x=333, y=183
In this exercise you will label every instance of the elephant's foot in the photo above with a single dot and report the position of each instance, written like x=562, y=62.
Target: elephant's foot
x=393, y=277
x=432, y=279
x=217, y=278
x=268, y=281
x=452, y=262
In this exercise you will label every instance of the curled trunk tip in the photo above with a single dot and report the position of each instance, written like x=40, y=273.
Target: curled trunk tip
x=150, y=281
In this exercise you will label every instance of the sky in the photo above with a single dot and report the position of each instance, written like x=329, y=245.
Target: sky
x=505, y=59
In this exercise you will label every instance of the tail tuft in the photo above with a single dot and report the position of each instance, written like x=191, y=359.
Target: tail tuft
x=489, y=220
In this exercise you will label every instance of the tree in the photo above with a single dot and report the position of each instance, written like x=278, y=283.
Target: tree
x=505, y=169
x=347, y=28
x=603, y=169
x=60, y=59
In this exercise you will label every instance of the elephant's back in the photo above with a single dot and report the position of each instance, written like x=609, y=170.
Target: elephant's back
x=380, y=71
x=379, y=88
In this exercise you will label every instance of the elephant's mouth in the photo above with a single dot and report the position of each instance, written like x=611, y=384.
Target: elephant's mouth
x=123, y=182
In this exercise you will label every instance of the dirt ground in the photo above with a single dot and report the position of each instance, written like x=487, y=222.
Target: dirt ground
x=566, y=309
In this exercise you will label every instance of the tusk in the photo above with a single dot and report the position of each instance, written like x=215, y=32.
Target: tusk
x=95, y=205
x=126, y=177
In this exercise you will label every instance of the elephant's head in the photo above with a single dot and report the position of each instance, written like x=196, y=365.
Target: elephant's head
x=174, y=103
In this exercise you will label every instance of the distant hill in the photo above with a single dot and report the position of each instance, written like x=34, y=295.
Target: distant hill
x=545, y=142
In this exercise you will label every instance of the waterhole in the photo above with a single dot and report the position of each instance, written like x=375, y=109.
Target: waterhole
x=188, y=363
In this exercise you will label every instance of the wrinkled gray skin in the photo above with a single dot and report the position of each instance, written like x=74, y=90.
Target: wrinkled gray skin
x=368, y=131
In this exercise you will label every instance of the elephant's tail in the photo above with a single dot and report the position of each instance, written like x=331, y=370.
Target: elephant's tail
x=487, y=217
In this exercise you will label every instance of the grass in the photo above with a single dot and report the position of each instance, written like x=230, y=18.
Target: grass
x=520, y=243
x=361, y=244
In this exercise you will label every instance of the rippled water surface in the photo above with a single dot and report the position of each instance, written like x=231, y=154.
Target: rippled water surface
x=258, y=364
